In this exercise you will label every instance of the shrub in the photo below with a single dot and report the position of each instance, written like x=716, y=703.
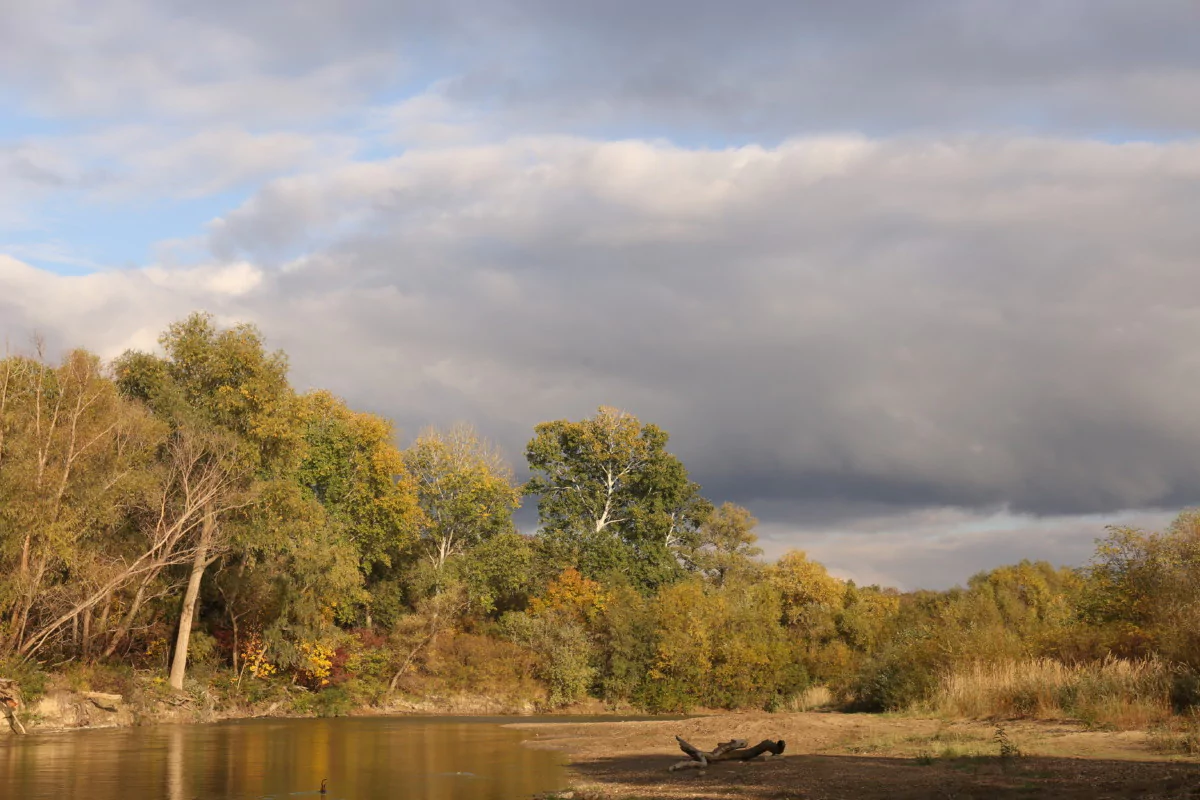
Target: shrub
x=1185, y=690
x=468, y=662
x=563, y=649
x=335, y=701
x=28, y=675
x=895, y=681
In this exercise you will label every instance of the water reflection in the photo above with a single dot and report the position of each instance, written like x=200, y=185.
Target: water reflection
x=413, y=758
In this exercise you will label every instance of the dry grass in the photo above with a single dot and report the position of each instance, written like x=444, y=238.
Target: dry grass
x=811, y=699
x=1115, y=692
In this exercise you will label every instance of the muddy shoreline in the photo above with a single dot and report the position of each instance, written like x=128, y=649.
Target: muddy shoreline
x=834, y=755
x=60, y=711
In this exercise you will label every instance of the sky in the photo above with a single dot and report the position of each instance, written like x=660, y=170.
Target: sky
x=914, y=281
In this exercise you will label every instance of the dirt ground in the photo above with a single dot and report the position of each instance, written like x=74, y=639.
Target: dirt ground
x=831, y=755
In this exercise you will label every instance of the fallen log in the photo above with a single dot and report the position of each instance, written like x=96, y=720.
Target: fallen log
x=733, y=750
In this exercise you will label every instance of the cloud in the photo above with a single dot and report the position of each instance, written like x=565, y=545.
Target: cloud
x=926, y=293
x=764, y=69
x=111, y=311
x=910, y=322
x=937, y=548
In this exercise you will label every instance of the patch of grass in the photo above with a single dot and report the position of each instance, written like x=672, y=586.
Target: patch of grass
x=1117, y=693
x=946, y=735
x=878, y=744
x=1180, y=739
x=29, y=675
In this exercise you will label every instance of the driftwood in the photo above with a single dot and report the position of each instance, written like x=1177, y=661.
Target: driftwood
x=10, y=703
x=733, y=750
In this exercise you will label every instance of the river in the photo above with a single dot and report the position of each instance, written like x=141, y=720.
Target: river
x=363, y=758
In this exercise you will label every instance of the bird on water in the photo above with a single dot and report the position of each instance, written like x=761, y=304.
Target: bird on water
x=323, y=780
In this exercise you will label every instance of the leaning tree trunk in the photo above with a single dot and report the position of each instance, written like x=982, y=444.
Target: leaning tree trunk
x=10, y=703
x=179, y=662
x=733, y=750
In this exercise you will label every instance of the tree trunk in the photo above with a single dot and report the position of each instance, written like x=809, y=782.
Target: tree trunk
x=100, y=628
x=190, y=597
x=236, y=641
x=733, y=750
x=10, y=702
x=127, y=621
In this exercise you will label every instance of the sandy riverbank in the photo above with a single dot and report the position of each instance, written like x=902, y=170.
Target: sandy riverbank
x=832, y=755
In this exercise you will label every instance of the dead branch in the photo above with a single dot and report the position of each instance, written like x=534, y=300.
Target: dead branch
x=733, y=750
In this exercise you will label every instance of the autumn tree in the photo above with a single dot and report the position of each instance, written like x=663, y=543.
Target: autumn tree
x=465, y=491
x=353, y=467
x=222, y=379
x=1144, y=589
x=810, y=595
x=724, y=546
x=610, y=498
x=72, y=460
x=719, y=647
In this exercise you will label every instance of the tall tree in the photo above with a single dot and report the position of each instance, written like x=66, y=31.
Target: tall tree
x=226, y=380
x=353, y=467
x=465, y=490
x=724, y=546
x=72, y=461
x=611, y=499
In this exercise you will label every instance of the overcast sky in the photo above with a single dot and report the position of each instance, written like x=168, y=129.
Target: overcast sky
x=915, y=281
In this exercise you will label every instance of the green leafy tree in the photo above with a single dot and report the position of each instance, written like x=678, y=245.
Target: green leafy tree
x=498, y=573
x=74, y=459
x=723, y=547
x=226, y=380
x=465, y=491
x=353, y=467
x=611, y=499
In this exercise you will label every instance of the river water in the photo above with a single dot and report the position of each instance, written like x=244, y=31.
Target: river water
x=363, y=758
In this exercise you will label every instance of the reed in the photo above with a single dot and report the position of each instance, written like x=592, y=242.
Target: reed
x=1114, y=692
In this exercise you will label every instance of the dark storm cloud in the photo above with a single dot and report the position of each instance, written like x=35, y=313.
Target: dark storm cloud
x=973, y=322
x=760, y=69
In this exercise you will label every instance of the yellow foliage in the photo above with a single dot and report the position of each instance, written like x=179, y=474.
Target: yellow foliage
x=317, y=664
x=573, y=595
x=254, y=656
x=805, y=588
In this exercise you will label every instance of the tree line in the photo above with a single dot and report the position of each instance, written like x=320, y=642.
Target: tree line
x=189, y=514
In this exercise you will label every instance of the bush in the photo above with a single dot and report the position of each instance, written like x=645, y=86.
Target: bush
x=336, y=701
x=202, y=649
x=563, y=650
x=28, y=675
x=468, y=662
x=1185, y=690
x=896, y=681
